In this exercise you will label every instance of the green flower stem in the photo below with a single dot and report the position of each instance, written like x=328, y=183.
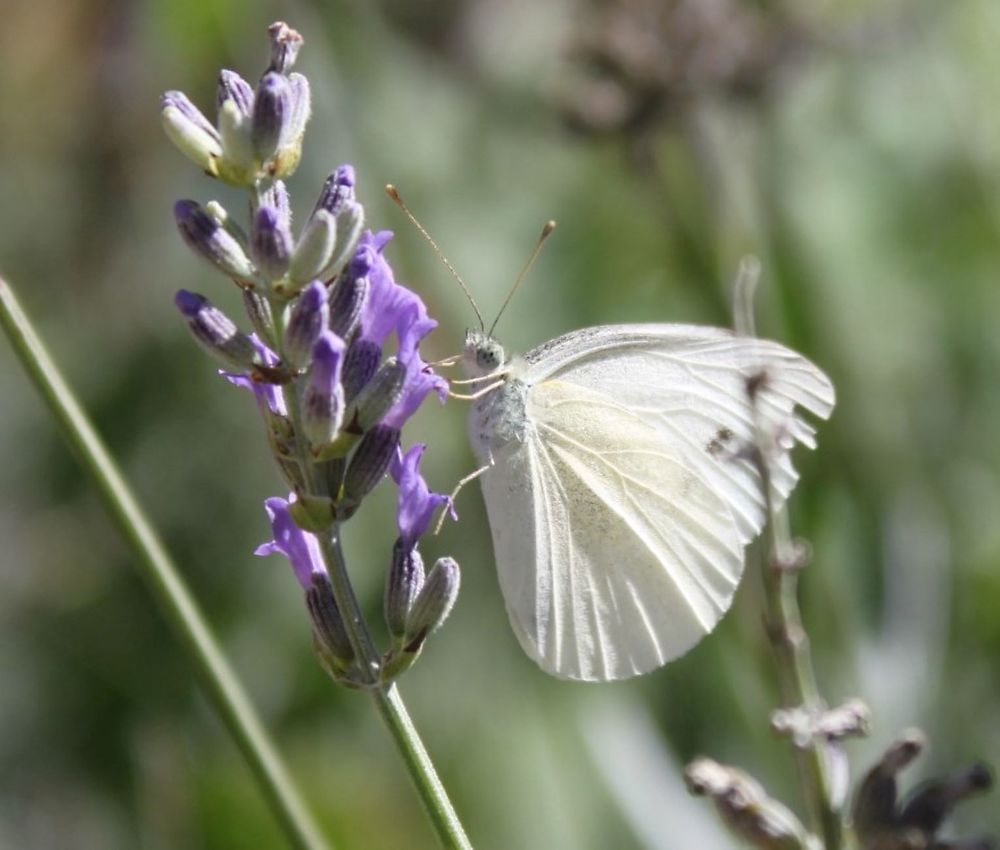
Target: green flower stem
x=390, y=705
x=790, y=643
x=217, y=677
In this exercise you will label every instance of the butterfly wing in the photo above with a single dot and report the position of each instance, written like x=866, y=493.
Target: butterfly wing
x=613, y=556
x=690, y=382
x=620, y=519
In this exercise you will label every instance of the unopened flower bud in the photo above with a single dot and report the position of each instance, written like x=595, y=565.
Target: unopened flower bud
x=327, y=620
x=875, y=802
x=271, y=242
x=403, y=584
x=323, y=399
x=285, y=46
x=360, y=365
x=369, y=462
x=210, y=240
x=237, y=166
x=929, y=804
x=745, y=806
x=272, y=111
x=259, y=311
x=190, y=131
x=308, y=320
x=216, y=332
x=433, y=603
x=350, y=222
x=315, y=248
x=276, y=195
x=379, y=394
x=233, y=87
x=338, y=189
x=301, y=111
x=348, y=297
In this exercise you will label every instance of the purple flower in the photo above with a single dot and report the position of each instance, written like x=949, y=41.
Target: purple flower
x=420, y=380
x=300, y=547
x=269, y=397
x=417, y=503
x=392, y=308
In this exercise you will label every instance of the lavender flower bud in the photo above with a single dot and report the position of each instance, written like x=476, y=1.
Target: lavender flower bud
x=285, y=46
x=233, y=87
x=272, y=110
x=746, y=807
x=929, y=804
x=216, y=332
x=316, y=244
x=323, y=399
x=210, y=240
x=379, y=394
x=369, y=463
x=338, y=189
x=309, y=319
x=276, y=195
x=875, y=803
x=348, y=297
x=190, y=131
x=360, y=365
x=301, y=111
x=403, y=584
x=350, y=222
x=259, y=310
x=433, y=602
x=237, y=167
x=271, y=242
x=328, y=622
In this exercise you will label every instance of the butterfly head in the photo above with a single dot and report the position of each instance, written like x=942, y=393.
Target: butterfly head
x=482, y=355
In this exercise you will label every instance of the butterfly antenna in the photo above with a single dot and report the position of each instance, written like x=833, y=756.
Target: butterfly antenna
x=546, y=232
x=393, y=193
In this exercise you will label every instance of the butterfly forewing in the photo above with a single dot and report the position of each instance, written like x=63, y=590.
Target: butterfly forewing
x=691, y=383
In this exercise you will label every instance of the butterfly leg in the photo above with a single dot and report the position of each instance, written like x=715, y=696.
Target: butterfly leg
x=478, y=393
x=458, y=487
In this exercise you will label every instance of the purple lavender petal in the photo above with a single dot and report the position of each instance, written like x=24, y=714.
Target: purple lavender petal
x=416, y=504
x=269, y=396
x=390, y=307
x=300, y=547
x=420, y=380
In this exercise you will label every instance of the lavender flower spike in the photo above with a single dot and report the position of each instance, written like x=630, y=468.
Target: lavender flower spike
x=300, y=547
x=417, y=503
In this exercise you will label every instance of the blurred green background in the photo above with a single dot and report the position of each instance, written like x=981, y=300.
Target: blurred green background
x=853, y=146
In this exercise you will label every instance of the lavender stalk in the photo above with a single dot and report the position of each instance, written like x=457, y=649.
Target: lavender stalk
x=333, y=398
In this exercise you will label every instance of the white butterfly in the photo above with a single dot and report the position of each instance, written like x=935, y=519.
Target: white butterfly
x=616, y=494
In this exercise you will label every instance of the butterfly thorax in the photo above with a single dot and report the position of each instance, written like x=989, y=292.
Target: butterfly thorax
x=497, y=417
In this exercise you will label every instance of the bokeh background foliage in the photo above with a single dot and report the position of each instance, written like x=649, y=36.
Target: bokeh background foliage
x=854, y=147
